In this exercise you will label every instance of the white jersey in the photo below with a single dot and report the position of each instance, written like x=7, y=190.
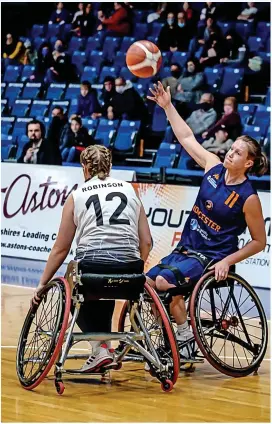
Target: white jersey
x=106, y=214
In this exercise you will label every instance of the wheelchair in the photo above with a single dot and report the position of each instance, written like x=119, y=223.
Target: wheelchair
x=228, y=322
x=47, y=337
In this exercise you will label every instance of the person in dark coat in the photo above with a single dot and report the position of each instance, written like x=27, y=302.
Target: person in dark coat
x=74, y=139
x=88, y=105
x=84, y=25
x=39, y=150
x=108, y=93
x=60, y=15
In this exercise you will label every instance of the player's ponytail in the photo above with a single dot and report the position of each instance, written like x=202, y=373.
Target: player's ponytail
x=98, y=161
x=255, y=153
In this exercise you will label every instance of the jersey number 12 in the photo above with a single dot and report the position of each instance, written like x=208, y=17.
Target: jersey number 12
x=114, y=219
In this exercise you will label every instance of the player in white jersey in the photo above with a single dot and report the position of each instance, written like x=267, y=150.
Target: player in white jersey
x=111, y=229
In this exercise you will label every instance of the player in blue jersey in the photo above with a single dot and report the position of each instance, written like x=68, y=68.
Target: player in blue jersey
x=226, y=204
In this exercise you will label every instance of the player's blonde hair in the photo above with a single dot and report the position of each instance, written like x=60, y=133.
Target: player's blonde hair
x=98, y=161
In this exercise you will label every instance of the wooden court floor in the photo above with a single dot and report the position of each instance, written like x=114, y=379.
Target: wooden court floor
x=131, y=395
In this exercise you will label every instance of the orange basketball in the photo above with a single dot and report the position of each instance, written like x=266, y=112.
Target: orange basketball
x=143, y=59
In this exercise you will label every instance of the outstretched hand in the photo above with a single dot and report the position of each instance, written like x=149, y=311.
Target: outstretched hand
x=161, y=96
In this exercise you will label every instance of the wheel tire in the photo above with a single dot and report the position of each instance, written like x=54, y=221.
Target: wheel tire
x=222, y=367
x=118, y=366
x=167, y=385
x=57, y=341
x=59, y=387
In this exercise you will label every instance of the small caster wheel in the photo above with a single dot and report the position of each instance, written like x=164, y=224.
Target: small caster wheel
x=118, y=366
x=167, y=386
x=59, y=387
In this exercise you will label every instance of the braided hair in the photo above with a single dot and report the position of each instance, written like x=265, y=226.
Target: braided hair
x=97, y=160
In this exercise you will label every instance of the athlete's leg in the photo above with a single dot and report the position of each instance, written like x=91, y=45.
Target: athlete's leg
x=177, y=306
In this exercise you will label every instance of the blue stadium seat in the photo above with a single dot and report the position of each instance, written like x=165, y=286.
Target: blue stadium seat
x=106, y=131
x=21, y=141
x=93, y=43
x=52, y=41
x=27, y=71
x=31, y=90
x=95, y=60
x=37, y=31
x=213, y=78
x=5, y=151
x=127, y=75
x=140, y=89
x=90, y=124
x=126, y=43
x=159, y=120
x=140, y=31
x=165, y=71
x=169, y=135
x=119, y=60
x=268, y=97
x=111, y=45
x=72, y=92
x=166, y=156
x=64, y=104
x=79, y=60
x=106, y=71
x=153, y=40
x=55, y=91
x=13, y=91
x=263, y=30
x=266, y=57
x=262, y=115
x=126, y=137
x=232, y=81
x=184, y=160
x=21, y=108
x=166, y=58
x=7, y=125
x=20, y=126
x=39, y=108
x=65, y=31
x=226, y=26
x=145, y=83
x=254, y=131
x=3, y=88
x=6, y=140
x=267, y=45
x=156, y=29
x=244, y=29
x=12, y=73
x=255, y=44
x=180, y=58
x=89, y=74
x=37, y=41
x=246, y=112
x=4, y=106
x=76, y=43
x=139, y=16
x=52, y=30
x=73, y=107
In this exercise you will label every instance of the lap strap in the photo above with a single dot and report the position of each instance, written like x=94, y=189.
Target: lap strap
x=175, y=270
x=205, y=262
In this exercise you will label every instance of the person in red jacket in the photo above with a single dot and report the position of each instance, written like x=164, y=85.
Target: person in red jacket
x=230, y=120
x=118, y=23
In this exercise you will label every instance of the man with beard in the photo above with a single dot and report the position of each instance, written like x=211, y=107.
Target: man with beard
x=39, y=150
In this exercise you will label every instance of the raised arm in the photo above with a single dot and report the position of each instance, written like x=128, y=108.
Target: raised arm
x=183, y=133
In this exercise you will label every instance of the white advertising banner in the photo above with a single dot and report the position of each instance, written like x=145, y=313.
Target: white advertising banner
x=33, y=197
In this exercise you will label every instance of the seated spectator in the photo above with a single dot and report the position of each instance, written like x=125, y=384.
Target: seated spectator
x=39, y=149
x=188, y=11
x=208, y=10
x=108, y=93
x=204, y=34
x=169, y=34
x=235, y=51
x=230, y=120
x=190, y=83
x=79, y=12
x=44, y=62
x=62, y=69
x=204, y=115
x=182, y=34
x=220, y=143
x=154, y=16
x=88, y=105
x=84, y=24
x=74, y=139
x=248, y=14
x=117, y=24
x=213, y=52
x=58, y=112
x=172, y=81
x=127, y=103
x=60, y=15
x=13, y=49
x=30, y=54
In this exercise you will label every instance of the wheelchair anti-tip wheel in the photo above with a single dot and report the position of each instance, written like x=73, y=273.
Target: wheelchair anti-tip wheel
x=42, y=334
x=158, y=325
x=229, y=324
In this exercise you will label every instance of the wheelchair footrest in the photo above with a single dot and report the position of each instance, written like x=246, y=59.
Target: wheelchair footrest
x=191, y=361
x=72, y=371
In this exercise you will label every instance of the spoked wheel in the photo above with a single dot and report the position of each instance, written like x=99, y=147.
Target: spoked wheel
x=154, y=318
x=229, y=324
x=43, y=332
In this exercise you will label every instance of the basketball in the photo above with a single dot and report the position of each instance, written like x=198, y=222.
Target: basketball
x=143, y=59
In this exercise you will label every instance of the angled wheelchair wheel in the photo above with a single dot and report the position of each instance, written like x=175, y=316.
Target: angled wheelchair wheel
x=156, y=322
x=42, y=334
x=229, y=324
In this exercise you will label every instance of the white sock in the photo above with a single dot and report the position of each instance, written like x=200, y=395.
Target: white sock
x=183, y=328
x=95, y=345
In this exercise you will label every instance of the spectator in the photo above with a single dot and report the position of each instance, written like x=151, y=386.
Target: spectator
x=172, y=81
x=88, y=105
x=213, y=51
x=204, y=34
x=39, y=150
x=44, y=62
x=208, y=10
x=248, y=14
x=204, y=116
x=13, y=49
x=154, y=16
x=118, y=24
x=230, y=120
x=127, y=103
x=84, y=24
x=169, y=34
x=79, y=12
x=58, y=112
x=59, y=16
x=30, y=54
x=62, y=69
x=190, y=84
x=235, y=51
x=74, y=139
x=182, y=34
x=188, y=11
x=220, y=143
x=107, y=94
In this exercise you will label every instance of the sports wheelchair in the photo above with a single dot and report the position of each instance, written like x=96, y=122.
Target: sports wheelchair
x=228, y=322
x=47, y=337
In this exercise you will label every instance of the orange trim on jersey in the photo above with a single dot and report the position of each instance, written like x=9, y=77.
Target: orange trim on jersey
x=234, y=200
x=227, y=201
